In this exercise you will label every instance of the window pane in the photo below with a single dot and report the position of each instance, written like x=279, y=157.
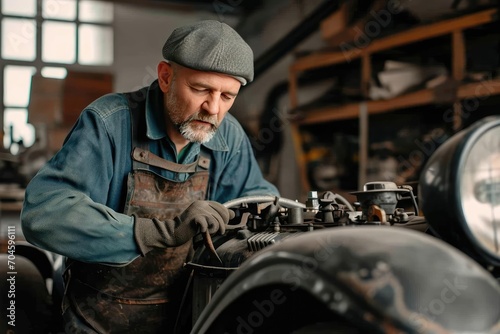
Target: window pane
x=19, y=7
x=95, y=11
x=58, y=42
x=59, y=9
x=17, y=85
x=95, y=45
x=18, y=39
x=54, y=72
x=21, y=130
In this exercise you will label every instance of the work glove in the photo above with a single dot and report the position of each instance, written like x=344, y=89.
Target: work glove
x=200, y=216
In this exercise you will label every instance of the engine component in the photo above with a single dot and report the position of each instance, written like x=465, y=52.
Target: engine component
x=261, y=221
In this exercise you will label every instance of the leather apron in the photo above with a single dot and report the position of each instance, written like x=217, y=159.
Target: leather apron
x=144, y=296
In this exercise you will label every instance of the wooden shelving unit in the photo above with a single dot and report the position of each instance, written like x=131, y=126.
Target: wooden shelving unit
x=418, y=98
x=457, y=90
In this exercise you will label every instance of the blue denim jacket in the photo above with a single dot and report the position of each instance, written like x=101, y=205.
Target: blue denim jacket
x=74, y=205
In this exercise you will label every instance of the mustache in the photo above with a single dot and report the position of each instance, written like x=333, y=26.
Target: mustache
x=212, y=119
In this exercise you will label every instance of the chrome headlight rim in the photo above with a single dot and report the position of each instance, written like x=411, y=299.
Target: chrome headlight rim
x=440, y=192
x=462, y=154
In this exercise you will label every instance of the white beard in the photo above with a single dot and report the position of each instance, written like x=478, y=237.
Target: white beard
x=197, y=134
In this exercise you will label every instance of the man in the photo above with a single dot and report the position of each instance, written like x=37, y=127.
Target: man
x=139, y=176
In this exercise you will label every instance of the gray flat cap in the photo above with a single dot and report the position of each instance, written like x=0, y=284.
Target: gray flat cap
x=211, y=46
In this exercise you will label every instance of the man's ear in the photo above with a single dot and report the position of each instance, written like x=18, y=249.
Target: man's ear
x=165, y=75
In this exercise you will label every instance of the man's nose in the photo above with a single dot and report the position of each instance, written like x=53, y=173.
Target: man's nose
x=211, y=104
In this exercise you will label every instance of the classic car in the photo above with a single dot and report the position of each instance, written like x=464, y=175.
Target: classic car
x=329, y=266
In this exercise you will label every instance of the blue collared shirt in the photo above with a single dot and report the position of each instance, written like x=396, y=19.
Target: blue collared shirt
x=73, y=205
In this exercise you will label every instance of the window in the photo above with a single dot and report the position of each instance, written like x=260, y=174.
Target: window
x=18, y=39
x=95, y=45
x=46, y=37
x=58, y=42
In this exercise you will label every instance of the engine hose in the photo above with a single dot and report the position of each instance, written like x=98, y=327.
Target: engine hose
x=344, y=201
x=264, y=198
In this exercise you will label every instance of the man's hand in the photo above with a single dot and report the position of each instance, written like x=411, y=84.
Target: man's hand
x=200, y=216
x=208, y=216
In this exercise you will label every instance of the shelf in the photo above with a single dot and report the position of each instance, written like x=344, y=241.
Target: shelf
x=321, y=59
x=451, y=93
x=414, y=99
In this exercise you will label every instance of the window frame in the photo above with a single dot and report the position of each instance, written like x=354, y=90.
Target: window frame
x=38, y=63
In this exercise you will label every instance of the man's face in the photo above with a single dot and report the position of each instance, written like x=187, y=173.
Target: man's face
x=195, y=101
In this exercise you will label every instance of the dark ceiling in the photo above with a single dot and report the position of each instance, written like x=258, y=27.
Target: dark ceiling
x=227, y=7
x=251, y=16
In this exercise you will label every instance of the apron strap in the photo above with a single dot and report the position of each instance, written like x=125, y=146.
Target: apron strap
x=137, y=107
x=146, y=157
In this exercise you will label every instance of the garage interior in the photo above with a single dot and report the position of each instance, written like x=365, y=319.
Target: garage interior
x=345, y=92
x=316, y=62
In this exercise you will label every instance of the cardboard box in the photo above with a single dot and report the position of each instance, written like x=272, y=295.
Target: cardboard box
x=59, y=102
x=80, y=89
x=45, y=105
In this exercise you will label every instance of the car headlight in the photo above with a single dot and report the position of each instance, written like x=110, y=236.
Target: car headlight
x=460, y=190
